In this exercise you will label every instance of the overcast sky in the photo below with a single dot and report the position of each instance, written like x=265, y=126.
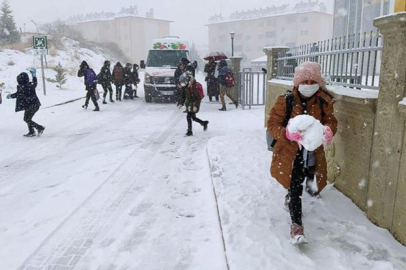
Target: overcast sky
x=189, y=16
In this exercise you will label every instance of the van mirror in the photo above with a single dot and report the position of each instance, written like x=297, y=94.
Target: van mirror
x=142, y=64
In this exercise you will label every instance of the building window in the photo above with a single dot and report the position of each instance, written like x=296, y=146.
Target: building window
x=261, y=24
x=270, y=34
x=303, y=33
x=305, y=19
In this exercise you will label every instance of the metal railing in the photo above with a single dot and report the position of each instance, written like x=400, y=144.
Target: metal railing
x=351, y=61
x=252, y=88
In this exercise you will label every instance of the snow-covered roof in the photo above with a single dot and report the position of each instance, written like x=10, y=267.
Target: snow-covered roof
x=310, y=6
x=107, y=16
x=260, y=59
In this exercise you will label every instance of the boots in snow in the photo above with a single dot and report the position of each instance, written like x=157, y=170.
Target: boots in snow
x=104, y=101
x=84, y=106
x=189, y=133
x=40, y=130
x=96, y=109
x=30, y=134
x=223, y=108
x=236, y=104
x=205, y=124
x=297, y=234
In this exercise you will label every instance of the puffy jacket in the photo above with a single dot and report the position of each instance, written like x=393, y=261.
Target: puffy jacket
x=190, y=98
x=320, y=106
x=26, y=95
x=105, y=75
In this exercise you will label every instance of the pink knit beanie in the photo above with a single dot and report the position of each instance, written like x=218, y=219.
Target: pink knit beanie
x=308, y=71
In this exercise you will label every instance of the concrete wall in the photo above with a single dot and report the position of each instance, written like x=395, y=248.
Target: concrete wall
x=133, y=35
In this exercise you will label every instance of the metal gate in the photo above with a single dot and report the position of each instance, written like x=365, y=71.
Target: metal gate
x=252, y=88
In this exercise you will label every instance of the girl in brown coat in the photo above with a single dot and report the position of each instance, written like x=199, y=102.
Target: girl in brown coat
x=292, y=164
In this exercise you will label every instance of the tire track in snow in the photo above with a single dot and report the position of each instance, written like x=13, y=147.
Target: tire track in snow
x=67, y=244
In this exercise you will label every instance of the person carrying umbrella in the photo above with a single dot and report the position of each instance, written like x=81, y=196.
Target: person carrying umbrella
x=212, y=83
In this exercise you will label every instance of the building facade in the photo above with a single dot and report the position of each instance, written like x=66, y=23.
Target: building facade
x=286, y=25
x=356, y=16
x=132, y=33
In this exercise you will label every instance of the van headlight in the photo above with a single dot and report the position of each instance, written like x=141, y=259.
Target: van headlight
x=147, y=78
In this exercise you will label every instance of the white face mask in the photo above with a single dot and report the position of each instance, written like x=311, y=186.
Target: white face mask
x=308, y=90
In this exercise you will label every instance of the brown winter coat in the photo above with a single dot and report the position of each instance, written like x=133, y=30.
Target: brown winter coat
x=284, y=151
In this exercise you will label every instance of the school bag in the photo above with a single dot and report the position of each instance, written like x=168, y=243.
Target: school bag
x=230, y=82
x=91, y=77
x=200, y=90
x=289, y=108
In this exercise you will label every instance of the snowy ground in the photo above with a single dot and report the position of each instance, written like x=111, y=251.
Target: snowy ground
x=123, y=189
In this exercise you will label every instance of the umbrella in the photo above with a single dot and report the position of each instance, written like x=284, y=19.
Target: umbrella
x=216, y=55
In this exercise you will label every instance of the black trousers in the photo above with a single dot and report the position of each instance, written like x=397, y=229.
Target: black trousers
x=107, y=88
x=28, y=115
x=119, y=88
x=90, y=95
x=192, y=116
x=295, y=192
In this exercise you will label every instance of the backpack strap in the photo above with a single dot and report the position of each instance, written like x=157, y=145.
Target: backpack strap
x=289, y=108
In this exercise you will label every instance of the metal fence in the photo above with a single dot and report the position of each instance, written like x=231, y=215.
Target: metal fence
x=252, y=88
x=351, y=61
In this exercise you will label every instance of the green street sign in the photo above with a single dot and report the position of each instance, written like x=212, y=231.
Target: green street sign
x=39, y=42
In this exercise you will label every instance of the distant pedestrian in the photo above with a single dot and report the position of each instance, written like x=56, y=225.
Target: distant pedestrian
x=224, y=74
x=104, y=78
x=136, y=79
x=211, y=80
x=128, y=82
x=118, y=79
x=90, y=84
x=191, y=98
x=292, y=164
x=27, y=100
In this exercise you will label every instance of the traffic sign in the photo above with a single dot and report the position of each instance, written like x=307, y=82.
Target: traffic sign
x=39, y=42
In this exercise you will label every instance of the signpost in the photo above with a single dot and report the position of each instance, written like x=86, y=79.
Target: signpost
x=40, y=45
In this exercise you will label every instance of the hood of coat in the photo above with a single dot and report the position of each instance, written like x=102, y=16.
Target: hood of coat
x=23, y=79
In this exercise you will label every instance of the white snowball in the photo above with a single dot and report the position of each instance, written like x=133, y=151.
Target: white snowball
x=311, y=130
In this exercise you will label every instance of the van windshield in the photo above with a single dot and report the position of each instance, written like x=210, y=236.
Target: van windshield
x=164, y=58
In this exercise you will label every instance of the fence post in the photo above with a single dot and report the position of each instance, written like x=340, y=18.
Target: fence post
x=236, y=66
x=272, y=64
x=387, y=184
x=271, y=67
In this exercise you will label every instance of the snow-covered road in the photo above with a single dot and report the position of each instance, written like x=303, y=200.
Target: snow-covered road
x=124, y=189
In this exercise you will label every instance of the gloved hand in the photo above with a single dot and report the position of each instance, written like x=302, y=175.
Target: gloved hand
x=180, y=106
x=327, y=135
x=194, y=109
x=33, y=72
x=8, y=96
x=295, y=136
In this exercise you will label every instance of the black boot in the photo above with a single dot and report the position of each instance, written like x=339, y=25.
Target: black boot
x=96, y=109
x=189, y=133
x=104, y=101
x=205, y=125
x=31, y=133
x=135, y=94
x=84, y=106
x=40, y=130
x=236, y=104
x=223, y=108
